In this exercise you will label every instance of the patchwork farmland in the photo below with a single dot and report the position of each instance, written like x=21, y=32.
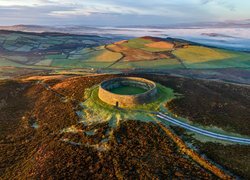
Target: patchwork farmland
x=55, y=50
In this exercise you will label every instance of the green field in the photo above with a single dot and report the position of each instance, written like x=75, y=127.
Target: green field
x=155, y=64
x=6, y=62
x=150, y=49
x=238, y=59
x=194, y=54
x=69, y=51
x=94, y=103
x=128, y=90
x=198, y=57
x=137, y=43
x=68, y=63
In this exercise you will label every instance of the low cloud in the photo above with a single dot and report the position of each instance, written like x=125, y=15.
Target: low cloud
x=118, y=12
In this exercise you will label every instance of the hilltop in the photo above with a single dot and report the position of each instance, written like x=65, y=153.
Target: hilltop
x=58, y=50
x=43, y=134
x=23, y=53
x=46, y=77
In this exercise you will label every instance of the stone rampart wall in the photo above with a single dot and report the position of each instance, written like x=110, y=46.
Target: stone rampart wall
x=107, y=96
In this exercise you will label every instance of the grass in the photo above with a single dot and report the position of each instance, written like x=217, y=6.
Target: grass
x=101, y=56
x=10, y=47
x=137, y=43
x=16, y=58
x=128, y=90
x=242, y=60
x=84, y=51
x=5, y=62
x=154, y=64
x=151, y=49
x=144, y=44
x=222, y=154
x=19, y=42
x=96, y=111
x=108, y=56
x=24, y=48
x=199, y=54
x=164, y=94
x=56, y=56
x=197, y=57
x=92, y=59
x=13, y=37
x=46, y=62
x=68, y=63
x=158, y=46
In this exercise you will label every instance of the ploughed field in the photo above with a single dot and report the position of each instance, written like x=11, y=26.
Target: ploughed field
x=34, y=111
x=128, y=90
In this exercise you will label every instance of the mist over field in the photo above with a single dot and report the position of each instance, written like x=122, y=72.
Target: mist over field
x=123, y=89
x=231, y=38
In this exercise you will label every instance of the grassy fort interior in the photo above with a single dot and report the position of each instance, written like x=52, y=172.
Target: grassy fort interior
x=128, y=90
x=59, y=95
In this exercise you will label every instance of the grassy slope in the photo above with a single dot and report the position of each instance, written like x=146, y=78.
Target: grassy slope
x=164, y=94
x=239, y=163
x=5, y=62
x=137, y=43
x=194, y=54
x=151, y=49
x=203, y=57
x=240, y=60
x=128, y=90
x=79, y=64
x=194, y=57
x=63, y=116
x=99, y=58
x=155, y=64
x=140, y=43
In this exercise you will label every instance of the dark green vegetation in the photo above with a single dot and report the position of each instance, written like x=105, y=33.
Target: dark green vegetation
x=210, y=103
x=174, y=54
x=34, y=115
x=64, y=51
x=130, y=150
x=37, y=53
x=95, y=104
x=232, y=157
x=46, y=50
x=128, y=90
x=48, y=152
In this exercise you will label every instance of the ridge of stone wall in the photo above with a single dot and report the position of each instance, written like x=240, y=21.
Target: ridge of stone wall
x=127, y=100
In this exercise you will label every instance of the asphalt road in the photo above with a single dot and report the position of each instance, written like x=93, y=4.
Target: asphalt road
x=202, y=131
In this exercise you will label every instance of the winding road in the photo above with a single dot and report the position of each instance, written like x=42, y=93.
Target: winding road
x=202, y=131
x=184, y=125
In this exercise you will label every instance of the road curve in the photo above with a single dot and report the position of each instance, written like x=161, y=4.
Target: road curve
x=202, y=131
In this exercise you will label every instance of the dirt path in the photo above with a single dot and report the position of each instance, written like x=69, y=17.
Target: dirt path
x=118, y=60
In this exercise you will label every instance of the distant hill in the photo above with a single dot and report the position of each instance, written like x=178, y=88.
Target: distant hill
x=81, y=28
x=38, y=28
x=57, y=50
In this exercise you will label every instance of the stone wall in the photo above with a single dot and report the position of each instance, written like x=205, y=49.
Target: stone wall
x=127, y=100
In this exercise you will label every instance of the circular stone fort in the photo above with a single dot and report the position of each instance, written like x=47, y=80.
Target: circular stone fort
x=127, y=91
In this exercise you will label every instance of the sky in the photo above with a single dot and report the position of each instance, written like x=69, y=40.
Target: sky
x=121, y=12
